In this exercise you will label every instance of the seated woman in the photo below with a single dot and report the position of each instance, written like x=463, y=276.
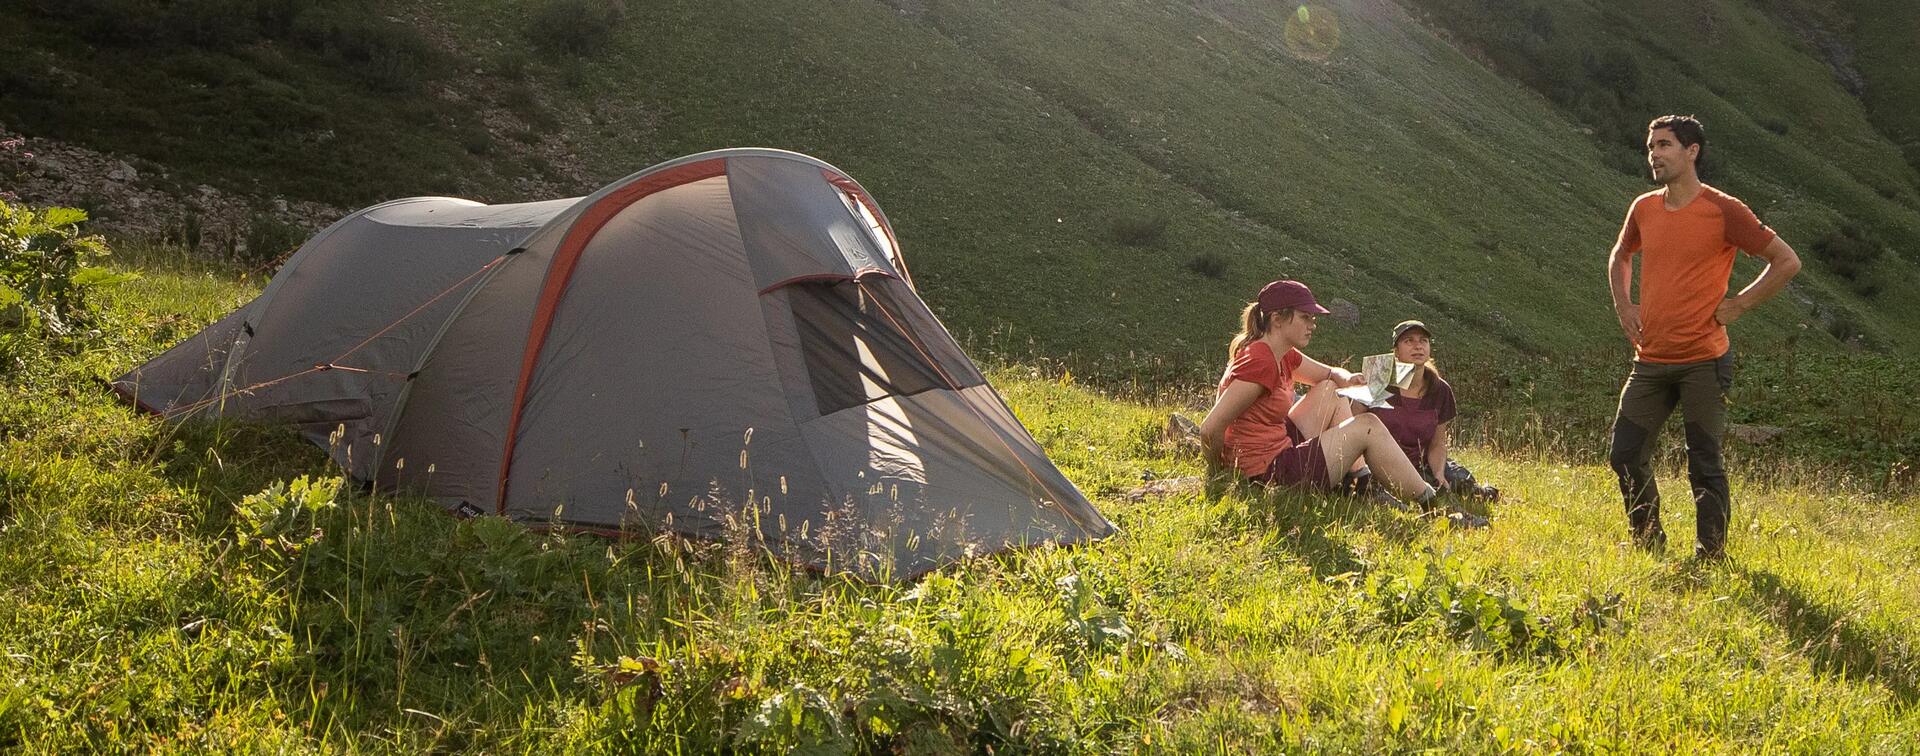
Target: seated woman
x=1418, y=415
x=1256, y=425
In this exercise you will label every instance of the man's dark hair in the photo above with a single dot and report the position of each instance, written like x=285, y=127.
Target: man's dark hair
x=1688, y=130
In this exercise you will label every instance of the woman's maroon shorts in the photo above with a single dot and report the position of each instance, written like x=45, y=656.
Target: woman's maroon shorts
x=1302, y=465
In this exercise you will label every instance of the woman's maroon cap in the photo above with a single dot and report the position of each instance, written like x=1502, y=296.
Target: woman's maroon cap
x=1283, y=294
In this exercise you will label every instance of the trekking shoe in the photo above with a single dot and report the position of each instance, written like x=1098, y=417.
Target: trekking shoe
x=1467, y=521
x=1379, y=495
x=1711, y=558
x=1488, y=494
x=1357, y=482
x=1653, y=542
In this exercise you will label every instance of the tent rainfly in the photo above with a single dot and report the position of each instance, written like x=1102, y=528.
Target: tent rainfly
x=726, y=340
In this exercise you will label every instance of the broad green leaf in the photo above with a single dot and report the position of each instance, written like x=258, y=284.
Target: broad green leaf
x=101, y=277
x=62, y=216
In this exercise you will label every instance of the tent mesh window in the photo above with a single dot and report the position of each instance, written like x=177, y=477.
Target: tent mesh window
x=853, y=338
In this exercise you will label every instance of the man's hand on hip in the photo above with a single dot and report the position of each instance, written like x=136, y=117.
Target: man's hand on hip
x=1630, y=321
x=1729, y=310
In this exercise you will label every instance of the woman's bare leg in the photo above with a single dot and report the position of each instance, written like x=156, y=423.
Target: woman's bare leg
x=1364, y=437
x=1320, y=409
x=1342, y=414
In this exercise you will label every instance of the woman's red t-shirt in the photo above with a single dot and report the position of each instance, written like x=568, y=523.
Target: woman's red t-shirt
x=1260, y=433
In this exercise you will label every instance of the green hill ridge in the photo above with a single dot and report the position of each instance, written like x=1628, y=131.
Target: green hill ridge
x=1100, y=183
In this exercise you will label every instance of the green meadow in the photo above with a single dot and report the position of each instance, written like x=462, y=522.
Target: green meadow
x=214, y=587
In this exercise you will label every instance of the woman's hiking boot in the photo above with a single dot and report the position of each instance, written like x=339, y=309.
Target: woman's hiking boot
x=1380, y=495
x=1357, y=483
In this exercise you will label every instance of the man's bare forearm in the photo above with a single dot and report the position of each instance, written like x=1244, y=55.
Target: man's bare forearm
x=1782, y=265
x=1780, y=269
x=1620, y=279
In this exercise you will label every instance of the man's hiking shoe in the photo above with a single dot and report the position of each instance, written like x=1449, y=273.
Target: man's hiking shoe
x=1652, y=542
x=1379, y=495
x=1711, y=558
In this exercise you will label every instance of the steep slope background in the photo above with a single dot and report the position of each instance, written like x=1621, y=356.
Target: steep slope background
x=1083, y=185
x=1096, y=183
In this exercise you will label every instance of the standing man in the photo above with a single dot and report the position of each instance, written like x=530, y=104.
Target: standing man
x=1685, y=233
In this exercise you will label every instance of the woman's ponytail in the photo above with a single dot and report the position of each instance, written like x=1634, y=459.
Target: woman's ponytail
x=1254, y=323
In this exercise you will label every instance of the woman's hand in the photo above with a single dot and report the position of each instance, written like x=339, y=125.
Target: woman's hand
x=1343, y=378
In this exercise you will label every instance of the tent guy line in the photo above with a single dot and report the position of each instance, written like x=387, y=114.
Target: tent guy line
x=333, y=364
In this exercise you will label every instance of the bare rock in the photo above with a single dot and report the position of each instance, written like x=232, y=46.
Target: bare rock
x=45, y=172
x=1343, y=311
x=1181, y=433
x=909, y=8
x=1755, y=434
x=1166, y=487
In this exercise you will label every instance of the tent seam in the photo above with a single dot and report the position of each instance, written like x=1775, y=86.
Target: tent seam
x=406, y=389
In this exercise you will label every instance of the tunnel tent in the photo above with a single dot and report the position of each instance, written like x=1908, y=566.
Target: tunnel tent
x=721, y=342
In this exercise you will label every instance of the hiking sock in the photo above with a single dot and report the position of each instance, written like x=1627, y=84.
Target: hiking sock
x=1425, y=499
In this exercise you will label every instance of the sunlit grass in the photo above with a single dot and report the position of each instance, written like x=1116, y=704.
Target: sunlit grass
x=169, y=590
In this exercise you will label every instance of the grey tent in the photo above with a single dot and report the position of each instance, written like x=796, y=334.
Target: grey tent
x=721, y=344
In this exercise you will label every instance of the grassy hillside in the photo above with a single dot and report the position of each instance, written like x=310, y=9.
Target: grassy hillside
x=1087, y=190
x=169, y=590
x=1095, y=183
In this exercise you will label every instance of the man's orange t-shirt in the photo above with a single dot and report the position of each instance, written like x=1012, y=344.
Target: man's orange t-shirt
x=1260, y=433
x=1686, y=257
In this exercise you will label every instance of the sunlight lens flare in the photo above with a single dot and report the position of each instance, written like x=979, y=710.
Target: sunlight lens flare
x=1312, y=33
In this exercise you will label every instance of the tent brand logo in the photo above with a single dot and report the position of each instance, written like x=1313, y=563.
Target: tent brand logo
x=467, y=510
x=853, y=247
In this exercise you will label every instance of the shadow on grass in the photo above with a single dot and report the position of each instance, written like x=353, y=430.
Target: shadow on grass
x=398, y=608
x=425, y=628
x=434, y=629
x=222, y=462
x=1834, y=643
x=1304, y=523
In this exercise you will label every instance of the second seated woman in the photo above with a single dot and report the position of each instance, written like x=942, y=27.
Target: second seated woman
x=1418, y=416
